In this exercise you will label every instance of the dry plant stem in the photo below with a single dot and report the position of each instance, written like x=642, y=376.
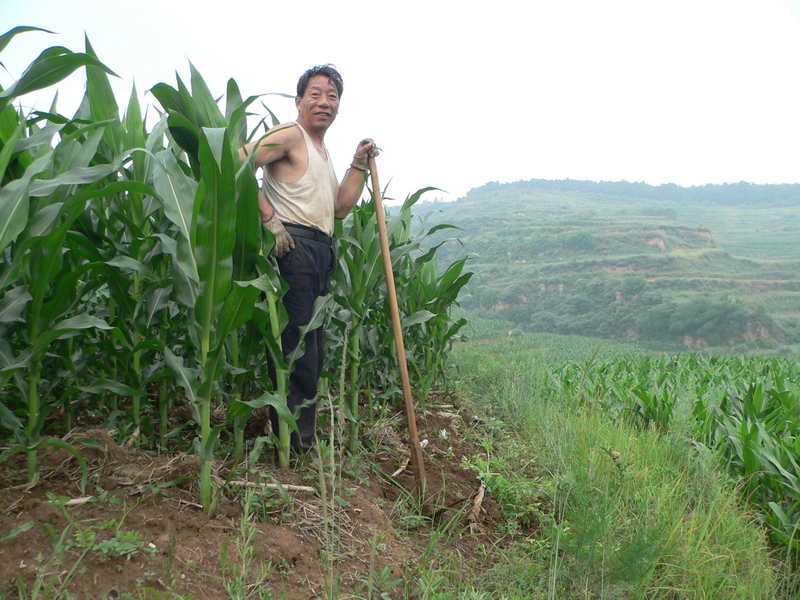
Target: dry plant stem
x=78, y=501
x=403, y=466
x=476, y=506
x=25, y=486
x=417, y=463
x=274, y=486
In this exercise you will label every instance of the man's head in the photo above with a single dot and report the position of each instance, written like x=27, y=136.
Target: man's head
x=326, y=71
x=317, y=98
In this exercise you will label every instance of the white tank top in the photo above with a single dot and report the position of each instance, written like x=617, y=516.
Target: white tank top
x=310, y=200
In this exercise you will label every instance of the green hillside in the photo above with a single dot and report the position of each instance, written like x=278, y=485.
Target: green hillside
x=715, y=265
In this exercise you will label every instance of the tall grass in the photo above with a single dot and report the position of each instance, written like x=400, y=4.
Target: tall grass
x=744, y=408
x=625, y=510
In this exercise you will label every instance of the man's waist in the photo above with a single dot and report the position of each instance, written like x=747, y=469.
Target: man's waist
x=310, y=233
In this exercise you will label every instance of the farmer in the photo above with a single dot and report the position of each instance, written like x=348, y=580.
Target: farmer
x=298, y=201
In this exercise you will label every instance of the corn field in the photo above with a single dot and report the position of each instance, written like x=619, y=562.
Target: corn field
x=746, y=409
x=135, y=275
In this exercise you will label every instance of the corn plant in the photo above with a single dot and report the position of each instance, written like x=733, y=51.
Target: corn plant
x=431, y=328
x=200, y=206
x=121, y=233
x=361, y=319
x=428, y=297
x=133, y=264
x=45, y=191
x=356, y=287
x=746, y=408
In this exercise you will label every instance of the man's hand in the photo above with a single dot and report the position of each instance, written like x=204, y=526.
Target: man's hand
x=366, y=148
x=283, y=240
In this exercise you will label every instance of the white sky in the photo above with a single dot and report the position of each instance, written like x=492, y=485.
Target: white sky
x=461, y=93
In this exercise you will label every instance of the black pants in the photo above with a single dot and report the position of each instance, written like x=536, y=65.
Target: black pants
x=307, y=270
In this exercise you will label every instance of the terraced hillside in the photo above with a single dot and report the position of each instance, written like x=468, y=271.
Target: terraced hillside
x=710, y=265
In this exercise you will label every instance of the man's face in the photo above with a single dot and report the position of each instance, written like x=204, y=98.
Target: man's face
x=319, y=105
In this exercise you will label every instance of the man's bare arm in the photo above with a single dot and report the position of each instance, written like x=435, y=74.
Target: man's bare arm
x=353, y=184
x=277, y=144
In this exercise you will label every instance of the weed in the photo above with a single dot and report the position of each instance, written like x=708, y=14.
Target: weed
x=243, y=575
x=269, y=504
x=153, y=594
x=52, y=579
x=522, y=499
x=377, y=584
x=124, y=544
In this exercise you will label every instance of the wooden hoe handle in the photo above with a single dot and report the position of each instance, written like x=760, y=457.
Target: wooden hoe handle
x=417, y=464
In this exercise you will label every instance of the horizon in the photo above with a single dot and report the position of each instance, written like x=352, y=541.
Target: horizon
x=621, y=181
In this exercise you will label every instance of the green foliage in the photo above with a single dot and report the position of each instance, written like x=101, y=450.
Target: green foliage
x=123, y=544
x=134, y=275
x=558, y=256
x=360, y=320
x=633, y=507
x=244, y=576
x=746, y=409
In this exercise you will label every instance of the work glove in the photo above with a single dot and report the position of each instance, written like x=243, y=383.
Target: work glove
x=362, y=162
x=283, y=240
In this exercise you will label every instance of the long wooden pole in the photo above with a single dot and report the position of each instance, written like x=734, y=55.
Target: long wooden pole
x=417, y=463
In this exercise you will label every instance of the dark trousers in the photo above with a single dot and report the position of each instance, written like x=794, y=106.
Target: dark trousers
x=307, y=270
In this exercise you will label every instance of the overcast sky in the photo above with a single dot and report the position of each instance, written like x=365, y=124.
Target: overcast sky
x=461, y=93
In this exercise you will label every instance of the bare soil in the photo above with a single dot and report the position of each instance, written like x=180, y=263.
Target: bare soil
x=138, y=529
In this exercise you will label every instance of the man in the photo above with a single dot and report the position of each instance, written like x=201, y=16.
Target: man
x=299, y=200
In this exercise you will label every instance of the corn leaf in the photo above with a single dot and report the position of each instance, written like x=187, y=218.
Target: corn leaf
x=106, y=385
x=51, y=66
x=64, y=328
x=186, y=135
x=43, y=136
x=14, y=202
x=186, y=377
x=234, y=114
x=421, y=316
x=276, y=402
x=9, y=35
x=206, y=111
x=248, y=227
x=170, y=99
x=176, y=190
x=77, y=176
x=13, y=303
x=215, y=229
x=103, y=103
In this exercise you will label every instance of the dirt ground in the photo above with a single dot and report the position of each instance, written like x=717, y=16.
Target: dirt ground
x=138, y=529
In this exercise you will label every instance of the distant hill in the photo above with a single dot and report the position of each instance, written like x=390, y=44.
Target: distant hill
x=695, y=266
x=728, y=194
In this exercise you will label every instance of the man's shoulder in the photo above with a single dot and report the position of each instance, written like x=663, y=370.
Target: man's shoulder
x=285, y=143
x=287, y=125
x=289, y=129
x=286, y=136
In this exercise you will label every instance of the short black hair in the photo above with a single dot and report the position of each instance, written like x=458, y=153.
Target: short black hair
x=328, y=71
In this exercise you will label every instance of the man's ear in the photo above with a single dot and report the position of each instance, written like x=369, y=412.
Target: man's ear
x=297, y=100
